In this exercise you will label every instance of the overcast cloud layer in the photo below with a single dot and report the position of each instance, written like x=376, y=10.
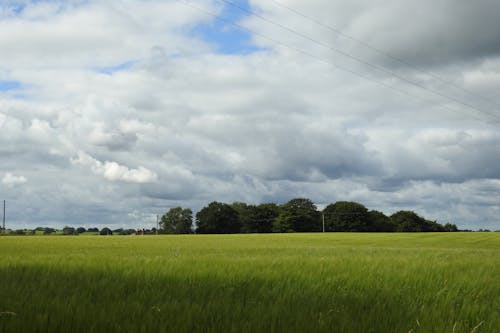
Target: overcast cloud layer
x=114, y=111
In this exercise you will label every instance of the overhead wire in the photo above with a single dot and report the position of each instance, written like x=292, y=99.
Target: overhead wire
x=348, y=70
x=384, y=53
x=355, y=58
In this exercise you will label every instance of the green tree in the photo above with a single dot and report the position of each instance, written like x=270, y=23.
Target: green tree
x=69, y=231
x=177, y=220
x=105, y=231
x=256, y=218
x=263, y=217
x=346, y=216
x=245, y=216
x=80, y=230
x=217, y=218
x=450, y=227
x=380, y=222
x=298, y=215
x=409, y=221
x=48, y=231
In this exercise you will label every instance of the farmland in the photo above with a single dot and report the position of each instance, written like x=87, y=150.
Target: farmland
x=333, y=282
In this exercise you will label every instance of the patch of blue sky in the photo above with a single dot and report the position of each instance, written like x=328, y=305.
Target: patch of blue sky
x=12, y=8
x=16, y=8
x=10, y=85
x=116, y=68
x=227, y=38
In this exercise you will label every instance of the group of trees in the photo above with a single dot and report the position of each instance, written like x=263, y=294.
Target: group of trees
x=297, y=215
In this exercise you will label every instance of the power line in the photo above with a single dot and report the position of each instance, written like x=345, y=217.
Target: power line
x=403, y=92
x=353, y=57
x=383, y=53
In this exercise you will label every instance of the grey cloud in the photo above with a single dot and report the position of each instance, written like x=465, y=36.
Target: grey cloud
x=114, y=141
x=267, y=126
x=424, y=33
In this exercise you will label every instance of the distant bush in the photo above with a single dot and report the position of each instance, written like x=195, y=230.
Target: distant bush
x=68, y=231
x=105, y=231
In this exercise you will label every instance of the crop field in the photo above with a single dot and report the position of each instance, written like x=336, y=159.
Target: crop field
x=342, y=282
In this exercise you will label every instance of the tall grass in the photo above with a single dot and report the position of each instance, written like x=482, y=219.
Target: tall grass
x=251, y=283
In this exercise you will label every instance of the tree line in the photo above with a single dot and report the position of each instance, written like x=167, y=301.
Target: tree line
x=297, y=215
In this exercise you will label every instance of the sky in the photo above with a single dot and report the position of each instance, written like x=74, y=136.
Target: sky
x=112, y=112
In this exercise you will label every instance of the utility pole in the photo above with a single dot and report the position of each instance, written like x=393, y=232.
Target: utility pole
x=323, y=218
x=3, y=224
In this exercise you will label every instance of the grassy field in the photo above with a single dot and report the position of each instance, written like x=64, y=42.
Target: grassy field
x=448, y=282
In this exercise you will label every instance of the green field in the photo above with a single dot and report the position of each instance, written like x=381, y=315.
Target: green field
x=446, y=282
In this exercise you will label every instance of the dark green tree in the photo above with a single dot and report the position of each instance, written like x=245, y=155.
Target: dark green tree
x=263, y=217
x=245, y=216
x=177, y=220
x=298, y=215
x=409, y=221
x=450, y=227
x=48, y=231
x=69, y=231
x=80, y=230
x=105, y=231
x=347, y=216
x=217, y=218
x=380, y=222
x=256, y=218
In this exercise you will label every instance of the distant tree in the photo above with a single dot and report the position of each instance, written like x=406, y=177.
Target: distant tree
x=347, y=216
x=217, y=218
x=68, y=231
x=80, y=230
x=434, y=226
x=380, y=222
x=19, y=232
x=256, y=218
x=105, y=231
x=48, y=231
x=263, y=217
x=93, y=229
x=177, y=220
x=245, y=217
x=127, y=231
x=409, y=221
x=149, y=231
x=298, y=215
x=450, y=227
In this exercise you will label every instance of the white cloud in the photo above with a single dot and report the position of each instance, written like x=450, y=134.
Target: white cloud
x=10, y=179
x=113, y=171
x=184, y=125
x=52, y=35
x=3, y=119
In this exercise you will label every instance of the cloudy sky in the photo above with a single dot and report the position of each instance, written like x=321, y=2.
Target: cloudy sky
x=114, y=111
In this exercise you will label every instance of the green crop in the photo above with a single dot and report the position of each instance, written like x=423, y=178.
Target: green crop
x=343, y=282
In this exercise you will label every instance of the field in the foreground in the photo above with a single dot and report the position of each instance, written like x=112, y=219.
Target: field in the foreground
x=448, y=282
